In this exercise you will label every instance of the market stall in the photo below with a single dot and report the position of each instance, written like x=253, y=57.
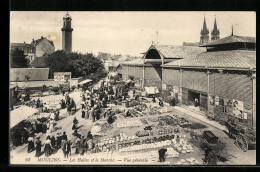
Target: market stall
x=150, y=91
x=20, y=114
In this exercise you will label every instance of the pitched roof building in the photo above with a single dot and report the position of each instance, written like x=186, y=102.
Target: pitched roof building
x=218, y=77
x=36, y=48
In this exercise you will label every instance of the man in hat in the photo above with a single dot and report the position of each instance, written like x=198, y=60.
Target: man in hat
x=67, y=149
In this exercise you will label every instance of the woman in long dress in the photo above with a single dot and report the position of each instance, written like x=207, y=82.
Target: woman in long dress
x=89, y=140
x=78, y=142
x=38, y=147
x=30, y=144
x=48, y=148
x=51, y=126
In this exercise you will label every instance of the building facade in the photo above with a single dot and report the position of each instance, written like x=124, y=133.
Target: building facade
x=222, y=79
x=67, y=33
x=37, y=48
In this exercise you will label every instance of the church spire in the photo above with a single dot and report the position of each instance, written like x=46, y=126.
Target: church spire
x=204, y=24
x=204, y=33
x=215, y=31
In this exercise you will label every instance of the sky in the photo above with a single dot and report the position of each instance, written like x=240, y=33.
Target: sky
x=127, y=33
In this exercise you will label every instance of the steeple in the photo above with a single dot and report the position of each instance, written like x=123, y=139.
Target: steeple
x=204, y=33
x=204, y=24
x=215, y=31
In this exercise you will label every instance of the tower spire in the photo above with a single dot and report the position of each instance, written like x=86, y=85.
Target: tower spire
x=204, y=33
x=204, y=23
x=215, y=31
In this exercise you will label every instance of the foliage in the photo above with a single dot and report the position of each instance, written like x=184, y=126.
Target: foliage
x=77, y=63
x=18, y=59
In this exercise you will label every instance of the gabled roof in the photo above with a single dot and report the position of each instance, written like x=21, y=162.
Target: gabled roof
x=243, y=59
x=178, y=51
x=36, y=42
x=229, y=40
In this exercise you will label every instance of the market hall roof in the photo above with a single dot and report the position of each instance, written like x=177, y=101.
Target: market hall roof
x=235, y=59
x=178, y=51
x=229, y=40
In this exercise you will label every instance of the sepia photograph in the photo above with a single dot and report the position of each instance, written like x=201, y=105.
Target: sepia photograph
x=161, y=88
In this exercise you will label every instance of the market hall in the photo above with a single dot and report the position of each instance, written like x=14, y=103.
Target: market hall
x=148, y=71
x=214, y=77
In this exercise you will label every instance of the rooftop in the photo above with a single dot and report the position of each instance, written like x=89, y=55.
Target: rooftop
x=229, y=40
x=243, y=59
x=178, y=51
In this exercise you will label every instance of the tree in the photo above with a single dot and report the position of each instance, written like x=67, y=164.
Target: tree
x=77, y=63
x=57, y=62
x=18, y=59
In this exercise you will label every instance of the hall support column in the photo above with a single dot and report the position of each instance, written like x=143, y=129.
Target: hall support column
x=143, y=83
x=254, y=101
x=180, y=88
x=127, y=73
x=208, y=74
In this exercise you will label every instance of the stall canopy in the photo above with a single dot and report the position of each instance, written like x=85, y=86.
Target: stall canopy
x=151, y=90
x=21, y=113
x=85, y=81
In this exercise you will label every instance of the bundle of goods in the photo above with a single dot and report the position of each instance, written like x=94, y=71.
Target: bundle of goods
x=168, y=120
x=106, y=141
x=131, y=123
x=142, y=133
x=132, y=147
x=164, y=131
x=184, y=123
x=188, y=161
x=181, y=145
x=171, y=153
x=123, y=137
x=133, y=103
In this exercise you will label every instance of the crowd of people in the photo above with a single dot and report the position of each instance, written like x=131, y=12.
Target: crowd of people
x=94, y=106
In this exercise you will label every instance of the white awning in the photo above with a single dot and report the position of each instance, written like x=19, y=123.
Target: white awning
x=85, y=81
x=21, y=113
x=151, y=90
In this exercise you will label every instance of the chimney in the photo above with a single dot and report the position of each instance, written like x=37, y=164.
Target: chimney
x=41, y=37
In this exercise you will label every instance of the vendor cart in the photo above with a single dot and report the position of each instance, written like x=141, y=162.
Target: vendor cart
x=244, y=137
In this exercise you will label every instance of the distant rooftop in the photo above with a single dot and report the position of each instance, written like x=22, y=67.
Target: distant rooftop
x=230, y=40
